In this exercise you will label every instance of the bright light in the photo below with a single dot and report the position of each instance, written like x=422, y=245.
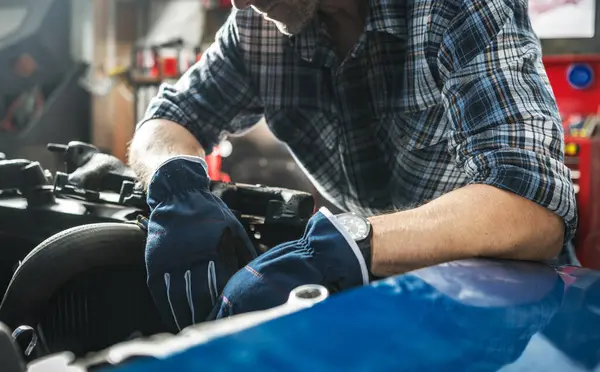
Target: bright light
x=571, y=149
x=225, y=149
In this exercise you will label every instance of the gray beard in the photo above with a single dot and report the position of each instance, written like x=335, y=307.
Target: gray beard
x=304, y=11
x=289, y=30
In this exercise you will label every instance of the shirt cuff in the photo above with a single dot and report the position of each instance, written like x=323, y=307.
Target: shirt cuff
x=553, y=193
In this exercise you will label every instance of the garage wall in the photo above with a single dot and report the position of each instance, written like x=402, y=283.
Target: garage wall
x=103, y=34
x=82, y=30
x=171, y=19
x=575, y=46
x=114, y=31
x=11, y=17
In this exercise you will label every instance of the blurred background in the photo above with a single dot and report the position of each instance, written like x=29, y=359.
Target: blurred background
x=86, y=69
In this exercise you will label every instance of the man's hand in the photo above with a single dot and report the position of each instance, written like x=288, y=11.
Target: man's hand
x=322, y=256
x=195, y=243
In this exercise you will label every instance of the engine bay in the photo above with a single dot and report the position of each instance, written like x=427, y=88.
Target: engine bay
x=73, y=275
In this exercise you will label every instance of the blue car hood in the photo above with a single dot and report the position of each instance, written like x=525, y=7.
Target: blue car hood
x=472, y=315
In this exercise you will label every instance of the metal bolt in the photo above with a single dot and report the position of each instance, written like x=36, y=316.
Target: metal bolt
x=308, y=294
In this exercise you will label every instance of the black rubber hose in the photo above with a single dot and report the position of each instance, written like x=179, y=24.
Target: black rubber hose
x=61, y=257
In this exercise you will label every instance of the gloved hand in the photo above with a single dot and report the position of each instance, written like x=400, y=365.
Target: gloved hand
x=195, y=243
x=324, y=255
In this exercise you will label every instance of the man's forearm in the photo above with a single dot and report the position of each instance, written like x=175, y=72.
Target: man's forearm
x=474, y=221
x=157, y=141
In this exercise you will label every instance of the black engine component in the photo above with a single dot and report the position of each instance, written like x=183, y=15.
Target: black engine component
x=83, y=287
x=10, y=355
x=31, y=210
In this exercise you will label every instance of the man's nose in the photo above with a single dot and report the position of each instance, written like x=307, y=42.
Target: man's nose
x=241, y=4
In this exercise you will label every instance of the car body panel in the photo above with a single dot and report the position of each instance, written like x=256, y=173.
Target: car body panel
x=470, y=315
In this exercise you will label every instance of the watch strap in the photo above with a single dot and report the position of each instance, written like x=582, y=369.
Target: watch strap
x=365, y=248
x=364, y=245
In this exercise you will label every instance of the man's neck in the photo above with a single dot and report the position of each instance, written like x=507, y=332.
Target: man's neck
x=345, y=20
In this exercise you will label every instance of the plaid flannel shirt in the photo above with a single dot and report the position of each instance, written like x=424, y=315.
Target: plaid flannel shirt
x=434, y=96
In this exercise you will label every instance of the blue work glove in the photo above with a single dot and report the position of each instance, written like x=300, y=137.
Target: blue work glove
x=195, y=243
x=325, y=255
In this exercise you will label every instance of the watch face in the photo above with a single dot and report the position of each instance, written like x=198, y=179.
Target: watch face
x=357, y=226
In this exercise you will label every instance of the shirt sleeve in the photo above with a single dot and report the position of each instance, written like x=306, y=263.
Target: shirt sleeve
x=215, y=96
x=506, y=128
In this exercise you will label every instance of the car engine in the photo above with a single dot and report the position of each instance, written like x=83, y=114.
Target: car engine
x=73, y=274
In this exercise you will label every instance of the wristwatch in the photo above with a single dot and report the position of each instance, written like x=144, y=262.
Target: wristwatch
x=360, y=230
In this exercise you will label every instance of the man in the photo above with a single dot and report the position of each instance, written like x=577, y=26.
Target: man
x=434, y=120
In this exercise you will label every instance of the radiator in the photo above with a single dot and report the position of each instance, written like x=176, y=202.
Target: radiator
x=98, y=309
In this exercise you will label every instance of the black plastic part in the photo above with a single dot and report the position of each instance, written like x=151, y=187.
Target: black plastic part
x=75, y=154
x=11, y=173
x=114, y=182
x=40, y=196
x=96, y=274
x=29, y=179
x=275, y=205
x=63, y=188
x=10, y=354
x=33, y=176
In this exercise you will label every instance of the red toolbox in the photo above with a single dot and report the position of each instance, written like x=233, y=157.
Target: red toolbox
x=574, y=80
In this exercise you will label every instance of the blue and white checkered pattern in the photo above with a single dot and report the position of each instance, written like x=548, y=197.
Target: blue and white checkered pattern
x=434, y=96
